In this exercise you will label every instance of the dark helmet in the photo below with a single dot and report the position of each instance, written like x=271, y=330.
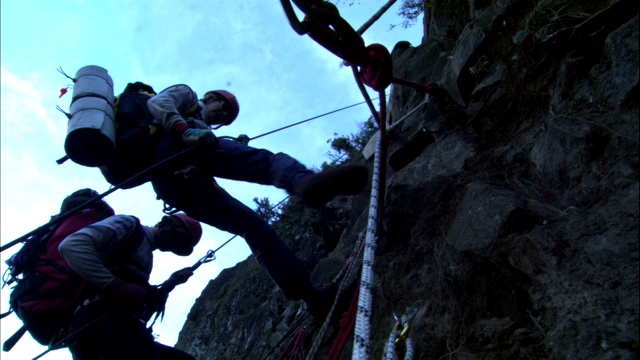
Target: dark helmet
x=231, y=100
x=193, y=225
x=80, y=197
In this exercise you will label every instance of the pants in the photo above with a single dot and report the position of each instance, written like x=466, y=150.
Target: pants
x=201, y=198
x=105, y=332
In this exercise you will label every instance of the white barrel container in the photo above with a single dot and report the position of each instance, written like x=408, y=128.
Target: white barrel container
x=91, y=132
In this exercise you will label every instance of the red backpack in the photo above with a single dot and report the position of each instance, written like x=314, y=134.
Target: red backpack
x=47, y=291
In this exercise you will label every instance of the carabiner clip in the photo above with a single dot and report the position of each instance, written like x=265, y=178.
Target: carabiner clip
x=211, y=255
x=405, y=324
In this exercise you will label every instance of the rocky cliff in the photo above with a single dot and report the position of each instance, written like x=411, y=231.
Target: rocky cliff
x=510, y=226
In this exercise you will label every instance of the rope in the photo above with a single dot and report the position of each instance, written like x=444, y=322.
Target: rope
x=286, y=335
x=375, y=17
x=391, y=347
x=349, y=268
x=295, y=345
x=60, y=218
x=346, y=327
x=399, y=121
x=343, y=278
x=324, y=25
x=361, y=347
x=408, y=344
x=350, y=265
x=363, y=90
x=399, y=335
x=361, y=337
x=304, y=121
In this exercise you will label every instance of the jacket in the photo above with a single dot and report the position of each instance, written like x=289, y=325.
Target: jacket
x=90, y=251
x=173, y=104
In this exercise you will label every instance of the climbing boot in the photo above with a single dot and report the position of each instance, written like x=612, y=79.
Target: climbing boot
x=318, y=189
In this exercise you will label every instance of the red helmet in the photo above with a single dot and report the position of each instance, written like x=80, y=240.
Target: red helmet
x=193, y=225
x=231, y=100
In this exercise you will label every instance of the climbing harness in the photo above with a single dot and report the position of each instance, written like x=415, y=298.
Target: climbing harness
x=62, y=343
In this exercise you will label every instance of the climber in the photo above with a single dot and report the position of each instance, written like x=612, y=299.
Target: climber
x=197, y=193
x=115, y=257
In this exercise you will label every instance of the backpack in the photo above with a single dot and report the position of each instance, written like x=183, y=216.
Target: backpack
x=137, y=135
x=46, y=290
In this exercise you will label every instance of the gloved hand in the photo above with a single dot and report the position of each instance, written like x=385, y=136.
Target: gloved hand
x=200, y=137
x=156, y=301
x=133, y=296
x=180, y=276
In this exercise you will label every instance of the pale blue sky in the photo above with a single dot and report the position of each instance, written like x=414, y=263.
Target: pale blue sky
x=246, y=47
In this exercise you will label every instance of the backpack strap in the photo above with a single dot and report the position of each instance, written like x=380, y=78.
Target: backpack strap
x=5, y=314
x=194, y=109
x=117, y=262
x=11, y=341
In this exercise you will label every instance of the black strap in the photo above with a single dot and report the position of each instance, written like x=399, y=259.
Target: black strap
x=11, y=342
x=6, y=313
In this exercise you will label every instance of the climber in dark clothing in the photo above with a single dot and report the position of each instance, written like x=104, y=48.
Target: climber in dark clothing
x=115, y=256
x=197, y=193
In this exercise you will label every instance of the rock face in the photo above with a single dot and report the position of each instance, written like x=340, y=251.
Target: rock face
x=513, y=233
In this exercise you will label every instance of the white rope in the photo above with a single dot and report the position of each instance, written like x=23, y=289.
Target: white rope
x=391, y=345
x=361, y=340
x=396, y=123
x=400, y=334
x=408, y=344
x=362, y=331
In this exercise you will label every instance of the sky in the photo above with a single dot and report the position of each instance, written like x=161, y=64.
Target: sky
x=246, y=47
